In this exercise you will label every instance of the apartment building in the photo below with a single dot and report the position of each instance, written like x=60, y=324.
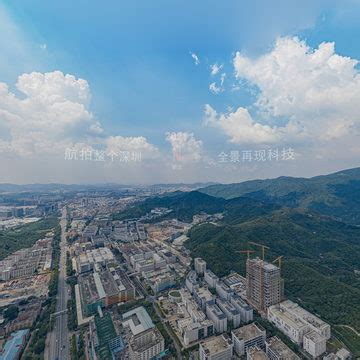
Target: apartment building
x=263, y=284
x=214, y=313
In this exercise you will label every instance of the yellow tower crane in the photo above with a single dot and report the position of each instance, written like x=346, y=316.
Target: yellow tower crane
x=263, y=247
x=248, y=252
x=278, y=260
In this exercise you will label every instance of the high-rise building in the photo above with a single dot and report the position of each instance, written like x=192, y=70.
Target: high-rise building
x=263, y=284
x=200, y=266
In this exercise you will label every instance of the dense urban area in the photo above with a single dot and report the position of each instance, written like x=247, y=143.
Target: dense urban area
x=120, y=274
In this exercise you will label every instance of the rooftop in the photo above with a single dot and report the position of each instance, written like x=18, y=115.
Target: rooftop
x=153, y=337
x=290, y=318
x=240, y=302
x=200, y=261
x=295, y=309
x=282, y=351
x=248, y=332
x=255, y=353
x=210, y=274
x=267, y=266
x=138, y=320
x=315, y=337
x=216, y=311
x=227, y=306
x=216, y=344
x=13, y=344
x=234, y=279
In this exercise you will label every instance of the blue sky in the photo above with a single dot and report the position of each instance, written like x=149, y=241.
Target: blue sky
x=136, y=59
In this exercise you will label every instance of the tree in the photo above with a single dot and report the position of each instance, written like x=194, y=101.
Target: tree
x=11, y=312
x=39, y=346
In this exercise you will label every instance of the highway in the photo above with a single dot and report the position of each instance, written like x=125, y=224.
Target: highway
x=59, y=338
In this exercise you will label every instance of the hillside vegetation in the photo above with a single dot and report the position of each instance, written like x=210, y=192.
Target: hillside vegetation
x=185, y=205
x=24, y=236
x=320, y=257
x=336, y=194
x=312, y=223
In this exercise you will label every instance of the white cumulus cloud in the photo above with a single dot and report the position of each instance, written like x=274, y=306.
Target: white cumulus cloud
x=52, y=113
x=240, y=127
x=185, y=147
x=136, y=144
x=316, y=90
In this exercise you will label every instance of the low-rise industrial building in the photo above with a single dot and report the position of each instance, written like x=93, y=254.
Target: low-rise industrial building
x=300, y=326
x=314, y=344
x=255, y=353
x=104, y=288
x=146, y=345
x=314, y=322
x=93, y=259
x=277, y=350
x=217, y=348
x=14, y=345
x=292, y=326
x=203, y=297
x=138, y=320
x=159, y=280
x=194, y=331
x=248, y=336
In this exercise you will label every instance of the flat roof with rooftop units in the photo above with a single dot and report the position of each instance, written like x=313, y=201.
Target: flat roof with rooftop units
x=104, y=288
x=138, y=320
x=255, y=353
x=315, y=322
x=248, y=332
x=216, y=346
x=279, y=350
x=234, y=279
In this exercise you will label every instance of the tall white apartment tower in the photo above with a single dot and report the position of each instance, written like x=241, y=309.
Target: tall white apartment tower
x=200, y=266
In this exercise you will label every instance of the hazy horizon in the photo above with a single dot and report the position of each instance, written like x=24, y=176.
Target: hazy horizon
x=172, y=183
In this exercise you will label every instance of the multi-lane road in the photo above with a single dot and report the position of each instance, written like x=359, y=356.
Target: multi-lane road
x=59, y=338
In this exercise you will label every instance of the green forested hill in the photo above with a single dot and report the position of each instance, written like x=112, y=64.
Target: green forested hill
x=24, y=236
x=320, y=256
x=185, y=205
x=311, y=222
x=336, y=194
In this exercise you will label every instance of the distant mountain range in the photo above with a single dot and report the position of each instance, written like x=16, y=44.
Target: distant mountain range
x=54, y=187
x=337, y=194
